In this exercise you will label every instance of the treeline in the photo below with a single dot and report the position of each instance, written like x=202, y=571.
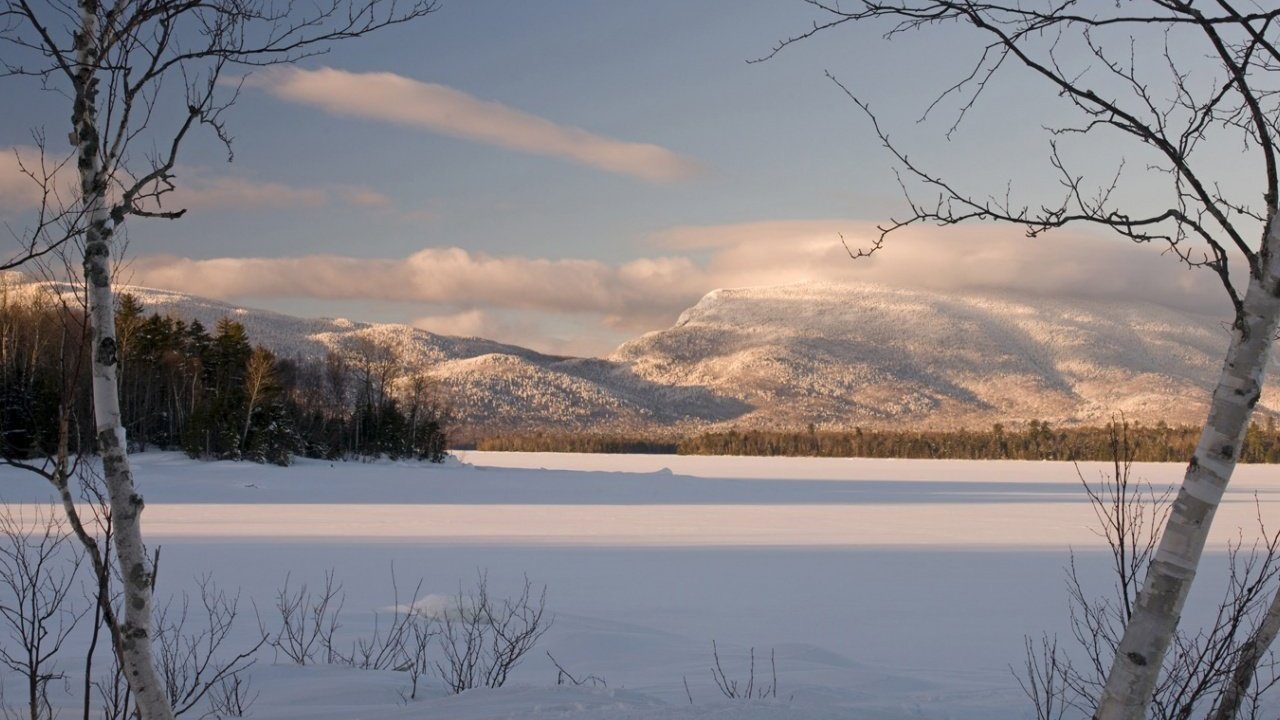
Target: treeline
x=583, y=443
x=211, y=394
x=1037, y=441
x=43, y=369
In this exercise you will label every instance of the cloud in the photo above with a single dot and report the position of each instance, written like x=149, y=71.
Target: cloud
x=703, y=237
x=548, y=333
x=196, y=189
x=19, y=191
x=971, y=258
x=218, y=193
x=468, y=323
x=440, y=275
x=403, y=101
x=515, y=297
x=364, y=197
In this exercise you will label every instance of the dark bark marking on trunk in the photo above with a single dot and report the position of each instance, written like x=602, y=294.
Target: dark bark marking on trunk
x=107, y=351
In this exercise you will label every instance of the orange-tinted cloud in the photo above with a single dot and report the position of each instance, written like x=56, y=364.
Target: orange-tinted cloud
x=403, y=101
x=468, y=291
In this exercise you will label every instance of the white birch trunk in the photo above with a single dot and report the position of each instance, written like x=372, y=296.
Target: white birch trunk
x=1229, y=701
x=259, y=367
x=1139, y=657
x=135, y=645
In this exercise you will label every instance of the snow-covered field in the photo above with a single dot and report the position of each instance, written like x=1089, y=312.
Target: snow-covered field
x=886, y=588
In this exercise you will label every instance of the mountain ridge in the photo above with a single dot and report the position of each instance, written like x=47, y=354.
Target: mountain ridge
x=834, y=356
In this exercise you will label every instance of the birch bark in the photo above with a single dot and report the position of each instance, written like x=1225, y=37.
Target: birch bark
x=1246, y=668
x=135, y=645
x=1150, y=630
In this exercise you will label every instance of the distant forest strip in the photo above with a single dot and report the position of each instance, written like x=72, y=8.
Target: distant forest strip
x=576, y=443
x=213, y=394
x=1036, y=441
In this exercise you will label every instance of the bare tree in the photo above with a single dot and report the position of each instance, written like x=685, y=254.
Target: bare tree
x=1213, y=667
x=258, y=380
x=38, y=564
x=115, y=60
x=103, y=592
x=1212, y=89
x=1250, y=657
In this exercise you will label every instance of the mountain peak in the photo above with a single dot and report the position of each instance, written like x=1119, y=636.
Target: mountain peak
x=837, y=355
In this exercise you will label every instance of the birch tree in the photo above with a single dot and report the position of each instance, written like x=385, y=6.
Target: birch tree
x=259, y=376
x=1187, y=84
x=122, y=64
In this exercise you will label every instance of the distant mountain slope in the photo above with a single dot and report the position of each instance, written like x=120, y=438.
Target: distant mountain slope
x=837, y=356
x=290, y=336
x=490, y=386
x=840, y=355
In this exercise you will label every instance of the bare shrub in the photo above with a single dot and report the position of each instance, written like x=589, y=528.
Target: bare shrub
x=389, y=647
x=563, y=675
x=1045, y=678
x=114, y=694
x=308, y=621
x=413, y=651
x=190, y=662
x=483, y=640
x=1215, y=667
x=232, y=697
x=748, y=689
x=38, y=566
x=402, y=644
x=96, y=547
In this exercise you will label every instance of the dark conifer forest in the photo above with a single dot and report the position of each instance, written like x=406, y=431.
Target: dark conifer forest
x=207, y=391
x=214, y=394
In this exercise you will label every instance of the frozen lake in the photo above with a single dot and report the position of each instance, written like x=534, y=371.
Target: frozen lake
x=887, y=588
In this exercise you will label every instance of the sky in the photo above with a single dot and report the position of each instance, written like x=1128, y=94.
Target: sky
x=568, y=174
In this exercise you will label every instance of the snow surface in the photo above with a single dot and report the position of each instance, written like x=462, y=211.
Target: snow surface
x=887, y=588
x=836, y=355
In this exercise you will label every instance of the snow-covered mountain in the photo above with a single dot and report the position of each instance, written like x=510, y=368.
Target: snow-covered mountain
x=843, y=355
x=489, y=385
x=837, y=356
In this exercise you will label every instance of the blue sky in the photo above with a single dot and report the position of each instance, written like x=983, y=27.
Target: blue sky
x=567, y=174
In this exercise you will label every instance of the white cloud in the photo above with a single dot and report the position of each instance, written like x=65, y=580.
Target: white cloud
x=702, y=237
x=198, y=190
x=439, y=275
x=581, y=334
x=468, y=323
x=403, y=101
x=364, y=197
x=195, y=188
x=962, y=258
x=589, y=297
x=20, y=191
